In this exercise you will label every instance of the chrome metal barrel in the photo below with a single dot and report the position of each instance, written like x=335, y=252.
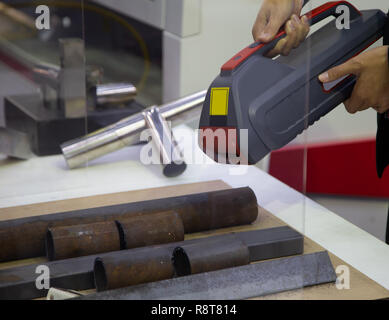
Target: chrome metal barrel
x=127, y=131
x=115, y=93
x=166, y=145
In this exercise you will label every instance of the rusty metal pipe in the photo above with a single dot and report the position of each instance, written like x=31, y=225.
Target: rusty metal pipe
x=199, y=212
x=82, y=240
x=87, y=239
x=214, y=255
x=133, y=267
x=148, y=230
x=223, y=209
x=77, y=273
x=160, y=263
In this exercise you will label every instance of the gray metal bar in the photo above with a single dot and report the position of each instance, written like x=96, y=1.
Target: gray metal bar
x=77, y=273
x=272, y=243
x=243, y=282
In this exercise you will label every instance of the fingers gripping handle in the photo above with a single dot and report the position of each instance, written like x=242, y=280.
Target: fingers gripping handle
x=314, y=16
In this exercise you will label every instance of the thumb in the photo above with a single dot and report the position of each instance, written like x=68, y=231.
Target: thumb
x=340, y=71
x=259, y=26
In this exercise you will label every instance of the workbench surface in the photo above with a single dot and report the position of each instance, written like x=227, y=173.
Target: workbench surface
x=47, y=179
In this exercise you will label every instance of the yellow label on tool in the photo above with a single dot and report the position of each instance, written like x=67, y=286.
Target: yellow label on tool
x=219, y=101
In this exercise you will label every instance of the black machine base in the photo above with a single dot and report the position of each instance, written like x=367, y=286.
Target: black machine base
x=47, y=127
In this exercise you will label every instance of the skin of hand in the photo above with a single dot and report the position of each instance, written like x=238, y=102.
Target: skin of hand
x=372, y=87
x=272, y=16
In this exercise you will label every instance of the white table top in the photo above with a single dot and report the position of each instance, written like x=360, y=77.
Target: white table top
x=47, y=179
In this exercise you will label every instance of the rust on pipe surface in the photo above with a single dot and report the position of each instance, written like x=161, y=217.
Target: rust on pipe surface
x=210, y=256
x=82, y=240
x=199, y=212
x=148, y=230
x=223, y=209
x=133, y=267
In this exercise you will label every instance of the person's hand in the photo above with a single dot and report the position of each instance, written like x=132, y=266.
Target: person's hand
x=372, y=87
x=272, y=16
x=296, y=31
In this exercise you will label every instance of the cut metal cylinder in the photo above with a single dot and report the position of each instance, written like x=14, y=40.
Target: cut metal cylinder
x=210, y=256
x=133, y=267
x=148, y=230
x=199, y=212
x=81, y=240
x=114, y=93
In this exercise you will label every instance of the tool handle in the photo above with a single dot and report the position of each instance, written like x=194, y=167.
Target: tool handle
x=329, y=9
x=314, y=16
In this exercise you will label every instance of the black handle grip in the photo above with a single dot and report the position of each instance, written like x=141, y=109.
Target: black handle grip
x=316, y=15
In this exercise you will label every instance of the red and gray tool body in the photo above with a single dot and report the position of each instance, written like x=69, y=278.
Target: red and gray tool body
x=276, y=99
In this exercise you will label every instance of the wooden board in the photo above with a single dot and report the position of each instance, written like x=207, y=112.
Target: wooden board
x=361, y=287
